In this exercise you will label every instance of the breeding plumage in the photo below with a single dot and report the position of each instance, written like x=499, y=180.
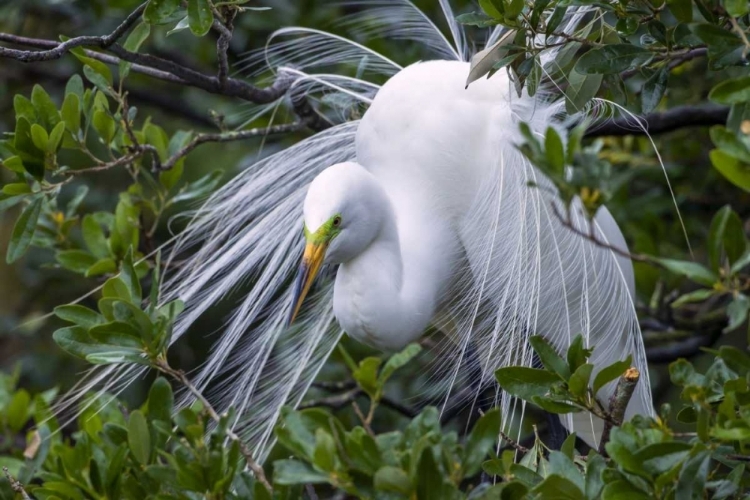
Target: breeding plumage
x=439, y=226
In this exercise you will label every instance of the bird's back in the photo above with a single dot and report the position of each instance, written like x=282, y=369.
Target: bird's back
x=447, y=156
x=427, y=135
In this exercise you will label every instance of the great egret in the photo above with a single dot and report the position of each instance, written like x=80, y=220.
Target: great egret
x=425, y=204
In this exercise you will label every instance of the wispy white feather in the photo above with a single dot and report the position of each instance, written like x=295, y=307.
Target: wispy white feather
x=522, y=273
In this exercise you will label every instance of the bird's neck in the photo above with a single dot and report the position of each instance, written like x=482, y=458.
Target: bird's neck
x=372, y=300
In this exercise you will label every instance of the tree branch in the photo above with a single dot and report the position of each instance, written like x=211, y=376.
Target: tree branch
x=153, y=66
x=16, y=485
x=63, y=48
x=230, y=136
x=702, y=115
x=618, y=403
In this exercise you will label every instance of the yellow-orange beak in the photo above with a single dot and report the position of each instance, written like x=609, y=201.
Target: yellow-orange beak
x=312, y=259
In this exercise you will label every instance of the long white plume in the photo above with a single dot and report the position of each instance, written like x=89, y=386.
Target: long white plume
x=245, y=242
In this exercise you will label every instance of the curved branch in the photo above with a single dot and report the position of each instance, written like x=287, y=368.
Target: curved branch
x=702, y=115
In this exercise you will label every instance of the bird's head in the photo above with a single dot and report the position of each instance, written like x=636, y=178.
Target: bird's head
x=342, y=215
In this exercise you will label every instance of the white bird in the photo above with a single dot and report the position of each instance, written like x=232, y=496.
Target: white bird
x=425, y=206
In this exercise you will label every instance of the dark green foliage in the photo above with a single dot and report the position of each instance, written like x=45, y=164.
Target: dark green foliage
x=63, y=136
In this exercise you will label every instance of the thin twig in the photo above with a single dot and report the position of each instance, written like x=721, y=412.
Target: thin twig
x=566, y=222
x=123, y=160
x=675, y=59
x=334, y=402
x=16, y=485
x=63, y=48
x=225, y=30
x=362, y=418
x=514, y=444
x=179, y=375
x=153, y=66
x=618, y=403
x=738, y=29
x=335, y=386
x=231, y=136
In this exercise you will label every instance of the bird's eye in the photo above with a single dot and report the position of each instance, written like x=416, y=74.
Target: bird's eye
x=336, y=221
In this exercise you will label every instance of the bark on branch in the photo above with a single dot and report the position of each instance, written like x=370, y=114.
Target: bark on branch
x=703, y=115
x=618, y=403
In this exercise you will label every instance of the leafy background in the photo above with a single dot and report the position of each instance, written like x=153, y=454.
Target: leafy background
x=682, y=307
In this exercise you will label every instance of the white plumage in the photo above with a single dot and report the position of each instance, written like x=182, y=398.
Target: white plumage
x=439, y=226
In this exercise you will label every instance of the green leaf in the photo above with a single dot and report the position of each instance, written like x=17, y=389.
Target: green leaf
x=80, y=315
x=16, y=188
x=46, y=110
x=75, y=86
x=116, y=288
x=75, y=340
x=93, y=236
x=729, y=143
x=554, y=148
x=14, y=163
x=23, y=231
x=160, y=400
x=17, y=411
x=623, y=490
x=133, y=44
x=130, y=278
x=24, y=108
x=476, y=19
x=559, y=488
x=117, y=333
x=577, y=353
x=77, y=261
x=102, y=266
x=200, y=17
x=610, y=373
x=55, y=138
x=681, y=9
x=104, y=125
x=549, y=357
x=325, y=456
x=366, y=375
x=525, y=383
x=737, y=312
x=692, y=480
x=694, y=296
x=397, y=361
x=39, y=136
x=582, y=88
x=725, y=233
x=734, y=91
x=653, y=89
x=291, y=472
x=736, y=8
x=125, y=228
x=481, y=441
x=735, y=172
x=159, y=11
x=554, y=406
x=139, y=438
x=691, y=270
x=180, y=26
x=595, y=465
x=71, y=114
x=99, y=78
x=614, y=58
x=579, y=381
x=392, y=479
